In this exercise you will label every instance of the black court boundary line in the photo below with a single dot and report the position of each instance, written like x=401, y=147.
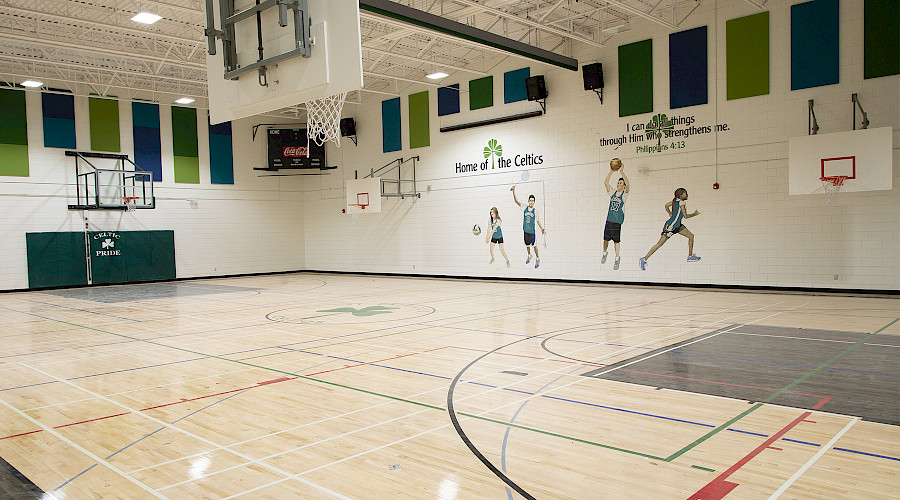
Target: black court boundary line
x=653, y=284
x=8, y=473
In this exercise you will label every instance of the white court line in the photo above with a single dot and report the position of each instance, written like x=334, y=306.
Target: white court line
x=814, y=340
x=86, y=452
x=173, y=427
x=825, y=448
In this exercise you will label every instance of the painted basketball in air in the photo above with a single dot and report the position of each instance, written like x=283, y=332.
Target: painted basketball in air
x=615, y=164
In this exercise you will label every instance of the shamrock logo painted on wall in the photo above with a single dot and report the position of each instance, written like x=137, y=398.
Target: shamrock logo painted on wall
x=493, y=149
x=108, y=243
x=658, y=125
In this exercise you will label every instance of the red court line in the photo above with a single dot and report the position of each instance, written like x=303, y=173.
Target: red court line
x=719, y=487
x=529, y=357
x=376, y=361
x=258, y=384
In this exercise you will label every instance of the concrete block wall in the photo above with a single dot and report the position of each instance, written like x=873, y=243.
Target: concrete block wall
x=750, y=231
x=252, y=226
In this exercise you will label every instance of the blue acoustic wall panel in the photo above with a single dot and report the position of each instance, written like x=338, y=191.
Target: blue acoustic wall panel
x=514, y=85
x=221, y=154
x=59, y=120
x=147, y=145
x=815, y=28
x=390, y=125
x=448, y=100
x=688, y=72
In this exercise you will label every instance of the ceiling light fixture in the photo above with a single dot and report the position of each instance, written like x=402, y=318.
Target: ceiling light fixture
x=437, y=75
x=146, y=18
x=184, y=100
x=32, y=83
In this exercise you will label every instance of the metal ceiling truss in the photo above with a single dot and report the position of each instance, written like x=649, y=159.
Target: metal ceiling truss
x=93, y=47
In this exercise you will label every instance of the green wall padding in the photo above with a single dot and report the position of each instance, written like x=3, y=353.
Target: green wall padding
x=881, y=38
x=419, y=131
x=747, y=56
x=104, y=116
x=13, y=133
x=481, y=93
x=184, y=145
x=636, y=78
x=55, y=259
x=58, y=259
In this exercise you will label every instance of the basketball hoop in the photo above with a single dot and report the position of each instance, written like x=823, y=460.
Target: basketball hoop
x=832, y=186
x=130, y=203
x=323, y=119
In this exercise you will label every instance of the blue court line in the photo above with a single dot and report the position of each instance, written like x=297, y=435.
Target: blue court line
x=778, y=363
x=867, y=454
x=578, y=402
x=82, y=310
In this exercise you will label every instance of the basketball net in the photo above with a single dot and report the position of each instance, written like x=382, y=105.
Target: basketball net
x=832, y=186
x=130, y=203
x=323, y=119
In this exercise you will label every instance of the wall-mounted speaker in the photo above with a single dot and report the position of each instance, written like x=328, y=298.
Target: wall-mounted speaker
x=536, y=88
x=593, y=76
x=348, y=127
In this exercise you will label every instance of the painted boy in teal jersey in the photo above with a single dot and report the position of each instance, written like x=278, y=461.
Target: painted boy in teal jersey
x=529, y=219
x=677, y=209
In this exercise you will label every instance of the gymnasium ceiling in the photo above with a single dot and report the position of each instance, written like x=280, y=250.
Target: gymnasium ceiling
x=93, y=46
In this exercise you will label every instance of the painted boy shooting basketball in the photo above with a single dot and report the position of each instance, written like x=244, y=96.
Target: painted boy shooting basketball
x=677, y=209
x=615, y=217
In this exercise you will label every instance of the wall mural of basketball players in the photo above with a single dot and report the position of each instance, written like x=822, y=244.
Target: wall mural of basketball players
x=677, y=209
x=615, y=216
x=530, y=218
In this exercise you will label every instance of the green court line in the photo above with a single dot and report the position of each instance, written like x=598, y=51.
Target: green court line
x=773, y=396
x=703, y=468
x=336, y=343
x=357, y=389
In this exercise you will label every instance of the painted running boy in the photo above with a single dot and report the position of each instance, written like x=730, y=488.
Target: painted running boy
x=529, y=218
x=615, y=217
x=677, y=209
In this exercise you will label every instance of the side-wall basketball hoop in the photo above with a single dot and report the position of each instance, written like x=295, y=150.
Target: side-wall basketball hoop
x=130, y=203
x=832, y=186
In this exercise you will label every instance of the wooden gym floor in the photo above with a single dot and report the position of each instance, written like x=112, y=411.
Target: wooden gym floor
x=309, y=385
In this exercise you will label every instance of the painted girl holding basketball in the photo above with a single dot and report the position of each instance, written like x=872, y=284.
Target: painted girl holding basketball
x=495, y=235
x=615, y=217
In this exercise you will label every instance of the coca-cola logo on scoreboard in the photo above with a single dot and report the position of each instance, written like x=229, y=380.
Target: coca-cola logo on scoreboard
x=295, y=151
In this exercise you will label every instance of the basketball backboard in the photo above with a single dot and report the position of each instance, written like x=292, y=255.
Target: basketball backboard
x=334, y=64
x=364, y=196
x=864, y=157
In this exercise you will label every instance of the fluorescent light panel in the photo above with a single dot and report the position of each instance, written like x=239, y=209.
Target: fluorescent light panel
x=437, y=75
x=184, y=100
x=146, y=18
x=31, y=83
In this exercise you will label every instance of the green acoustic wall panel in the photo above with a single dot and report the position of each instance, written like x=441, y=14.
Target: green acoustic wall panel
x=747, y=56
x=636, y=78
x=481, y=93
x=187, y=169
x=419, y=131
x=881, y=38
x=55, y=259
x=14, y=160
x=13, y=133
x=184, y=145
x=104, y=115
